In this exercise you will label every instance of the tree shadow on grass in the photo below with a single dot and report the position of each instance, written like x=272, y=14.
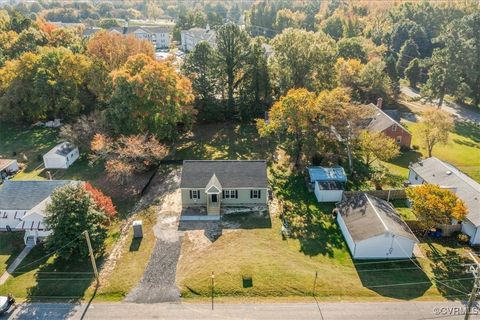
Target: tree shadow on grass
x=450, y=269
x=394, y=279
x=54, y=279
x=310, y=222
x=468, y=130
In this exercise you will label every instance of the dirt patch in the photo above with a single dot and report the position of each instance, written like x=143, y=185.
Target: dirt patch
x=132, y=187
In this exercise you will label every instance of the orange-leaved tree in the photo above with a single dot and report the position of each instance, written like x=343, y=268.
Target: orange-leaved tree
x=102, y=201
x=435, y=206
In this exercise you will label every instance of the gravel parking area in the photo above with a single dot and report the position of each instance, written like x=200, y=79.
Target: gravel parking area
x=158, y=281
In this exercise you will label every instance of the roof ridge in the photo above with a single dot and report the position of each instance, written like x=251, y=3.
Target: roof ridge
x=461, y=175
x=376, y=212
x=383, y=112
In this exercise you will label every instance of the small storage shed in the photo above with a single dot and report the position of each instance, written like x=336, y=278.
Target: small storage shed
x=7, y=167
x=61, y=156
x=328, y=183
x=373, y=229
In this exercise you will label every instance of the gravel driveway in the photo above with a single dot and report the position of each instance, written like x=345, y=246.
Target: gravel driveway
x=158, y=281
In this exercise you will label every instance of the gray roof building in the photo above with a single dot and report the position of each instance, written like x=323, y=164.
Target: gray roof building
x=436, y=171
x=24, y=195
x=380, y=120
x=366, y=216
x=227, y=173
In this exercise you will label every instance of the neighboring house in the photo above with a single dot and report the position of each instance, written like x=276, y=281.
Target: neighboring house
x=22, y=207
x=224, y=183
x=190, y=38
x=7, y=167
x=373, y=229
x=327, y=183
x=90, y=31
x=61, y=156
x=435, y=171
x=159, y=36
x=379, y=121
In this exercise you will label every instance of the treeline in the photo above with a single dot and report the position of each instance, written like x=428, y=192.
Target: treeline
x=435, y=47
x=56, y=74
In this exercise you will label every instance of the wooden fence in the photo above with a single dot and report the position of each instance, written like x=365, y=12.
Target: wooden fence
x=394, y=194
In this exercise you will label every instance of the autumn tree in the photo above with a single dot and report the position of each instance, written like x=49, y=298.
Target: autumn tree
x=303, y=59
x=292, y=121
x=103, y=202
x=434, y=206
x=352, y=48
x=375, y=146
x=114, y=49
x=81, y=131
x=149, y=96
x=434, y=128
x=126, y=155
x=47, y=85
x=72, y=211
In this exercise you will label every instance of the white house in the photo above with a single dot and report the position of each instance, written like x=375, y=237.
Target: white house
x=61, y=156
x=435, y=171
x=190, y=38
x=327, y=183
x=22, y=207
x=7, y=167
x=373, y=229
x=159, y=36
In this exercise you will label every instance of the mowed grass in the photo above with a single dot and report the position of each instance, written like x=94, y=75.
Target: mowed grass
x=42, y=277
x=462, y=150
x=255, y=262
x=129, y=268
x=11, y=244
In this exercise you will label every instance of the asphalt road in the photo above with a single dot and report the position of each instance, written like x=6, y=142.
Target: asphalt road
x=458, y=111
x=277, y=311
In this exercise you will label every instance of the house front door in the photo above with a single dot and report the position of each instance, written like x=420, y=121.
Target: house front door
x=214, y=198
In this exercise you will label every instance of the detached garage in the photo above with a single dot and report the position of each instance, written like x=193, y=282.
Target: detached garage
x=373, y=229
x=61, y=156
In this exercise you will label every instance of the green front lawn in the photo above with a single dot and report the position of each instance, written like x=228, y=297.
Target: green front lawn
x=254, y=261
x=11, y=244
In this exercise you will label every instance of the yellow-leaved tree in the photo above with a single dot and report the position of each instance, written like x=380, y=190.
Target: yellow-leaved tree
x=434, y=206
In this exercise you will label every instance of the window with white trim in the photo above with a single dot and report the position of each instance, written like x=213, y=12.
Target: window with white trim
x=194, y=194
x=255, y=194
x=230, y=194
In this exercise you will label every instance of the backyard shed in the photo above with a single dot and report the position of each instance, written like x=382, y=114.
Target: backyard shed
x=7, y=167
x=61, y=156
x=373, y=229
x=328, y=183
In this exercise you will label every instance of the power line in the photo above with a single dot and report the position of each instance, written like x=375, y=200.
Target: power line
x=49, y=254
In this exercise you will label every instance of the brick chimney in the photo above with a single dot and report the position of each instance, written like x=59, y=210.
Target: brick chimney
x=379, y=103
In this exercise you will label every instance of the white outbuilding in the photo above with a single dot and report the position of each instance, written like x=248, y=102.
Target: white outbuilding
x=373, y=229
x=61, y=156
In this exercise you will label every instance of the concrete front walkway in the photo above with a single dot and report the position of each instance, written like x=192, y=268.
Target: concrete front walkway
x=15, y=264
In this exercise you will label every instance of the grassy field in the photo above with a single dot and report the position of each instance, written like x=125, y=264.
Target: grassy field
x=42, y=277
x=11, y=244
x=134, y=258
x=462, y=150
x=255, y=261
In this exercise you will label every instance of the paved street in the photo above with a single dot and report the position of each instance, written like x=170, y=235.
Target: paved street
x=454, y=109
x=277, y=311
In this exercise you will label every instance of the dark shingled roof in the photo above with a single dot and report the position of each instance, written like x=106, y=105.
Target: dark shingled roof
x=24, y=195
x=230, y=173
x=380, y=121
x=367, y=216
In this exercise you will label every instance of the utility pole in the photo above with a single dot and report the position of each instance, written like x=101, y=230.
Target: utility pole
x=475, y=270
x=92, y=257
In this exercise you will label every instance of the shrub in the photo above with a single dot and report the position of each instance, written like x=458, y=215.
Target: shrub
x=463, y=238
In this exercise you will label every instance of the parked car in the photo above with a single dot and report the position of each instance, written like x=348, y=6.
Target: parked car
x=6, y=303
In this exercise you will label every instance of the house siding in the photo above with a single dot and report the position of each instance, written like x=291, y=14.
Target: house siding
x=385, y=246
x=399, y=132
x=243, y=197
x=7, y=218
